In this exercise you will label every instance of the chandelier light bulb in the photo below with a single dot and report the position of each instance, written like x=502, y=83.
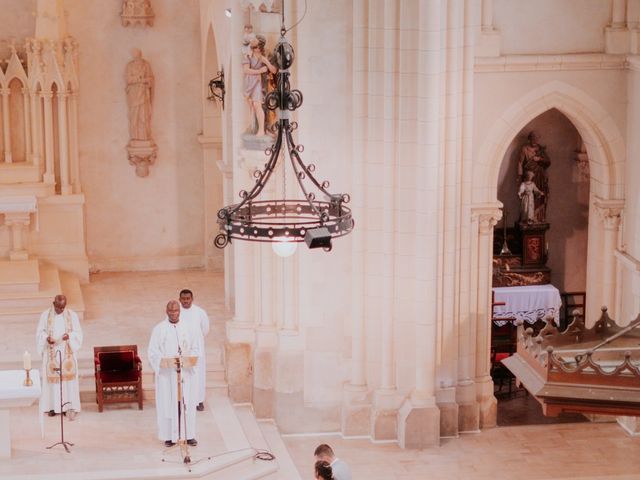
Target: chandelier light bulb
x=284, y=248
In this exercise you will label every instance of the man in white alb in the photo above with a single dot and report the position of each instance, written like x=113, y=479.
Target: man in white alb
x=172, y=338
x=197, y=319
x=59, y=333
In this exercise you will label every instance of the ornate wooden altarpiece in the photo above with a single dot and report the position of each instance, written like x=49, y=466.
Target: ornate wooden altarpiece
x=520, y=255
x=587, y=370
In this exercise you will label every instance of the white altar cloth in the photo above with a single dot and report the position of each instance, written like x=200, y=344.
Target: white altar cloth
x=527, y=304
x=12, y=395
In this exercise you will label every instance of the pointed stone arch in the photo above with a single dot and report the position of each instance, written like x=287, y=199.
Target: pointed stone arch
x=601, y=136
x=606, y=148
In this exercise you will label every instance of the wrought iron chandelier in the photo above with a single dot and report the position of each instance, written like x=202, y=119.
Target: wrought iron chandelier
x=316, y=222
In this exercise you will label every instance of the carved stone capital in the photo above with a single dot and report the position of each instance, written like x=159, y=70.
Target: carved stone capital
x=610, y=212
x=487, y=216
x=17, y=218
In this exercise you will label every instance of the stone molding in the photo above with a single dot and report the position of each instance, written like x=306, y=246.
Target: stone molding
x=610, y=212
x=532, y=63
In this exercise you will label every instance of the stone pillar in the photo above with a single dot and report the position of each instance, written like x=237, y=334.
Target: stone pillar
x=63, y=144
x=73, y=143
x=487, y=217
x=610, y=212
x=17, y=222
x=28, y=149
x=356, y=400
x=6, y=125
x=227, y=189
x=49, y=173
x=35, y=130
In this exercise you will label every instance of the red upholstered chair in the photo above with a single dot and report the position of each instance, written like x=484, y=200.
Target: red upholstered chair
x=118, y=372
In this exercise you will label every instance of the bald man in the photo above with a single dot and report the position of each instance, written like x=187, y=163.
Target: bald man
x=59, y=336
x=173, y=338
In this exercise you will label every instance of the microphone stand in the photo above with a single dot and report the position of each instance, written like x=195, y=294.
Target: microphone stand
x=184, y=447
x=66, y=445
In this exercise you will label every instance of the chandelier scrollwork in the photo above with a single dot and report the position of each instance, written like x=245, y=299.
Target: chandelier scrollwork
x=314, y=221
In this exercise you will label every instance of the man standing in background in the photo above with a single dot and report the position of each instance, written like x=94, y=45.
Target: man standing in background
x=197, y=319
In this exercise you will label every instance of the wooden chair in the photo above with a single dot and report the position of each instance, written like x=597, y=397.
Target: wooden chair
x=572, y=302
x=503, y=344
x=118, y=372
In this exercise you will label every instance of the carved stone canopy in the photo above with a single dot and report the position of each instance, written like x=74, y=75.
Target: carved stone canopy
x=137, y=12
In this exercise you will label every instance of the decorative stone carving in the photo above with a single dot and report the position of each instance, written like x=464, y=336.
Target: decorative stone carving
x=141, y=148
x=137, y=12
x=610, y=211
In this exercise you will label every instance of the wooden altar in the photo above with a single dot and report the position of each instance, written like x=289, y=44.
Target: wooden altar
x=587, y=370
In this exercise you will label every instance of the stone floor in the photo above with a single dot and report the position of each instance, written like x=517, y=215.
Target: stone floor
x=123, y=307
x=563, y=451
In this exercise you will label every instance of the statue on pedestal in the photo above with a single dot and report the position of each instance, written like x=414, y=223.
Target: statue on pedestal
x=533, y=158
x=255, y=65
x=140, y=83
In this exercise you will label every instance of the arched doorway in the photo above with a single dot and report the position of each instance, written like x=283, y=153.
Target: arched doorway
x=606, y=152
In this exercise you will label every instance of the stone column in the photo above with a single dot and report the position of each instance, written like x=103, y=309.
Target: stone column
x=227, y=189
x=487, y=217
x=17, y=221
x=49, y=172
x=73, y=143
x=6, y=125
x=610, y=212
x=63, y=144
x=28, y=149
x=35, y=129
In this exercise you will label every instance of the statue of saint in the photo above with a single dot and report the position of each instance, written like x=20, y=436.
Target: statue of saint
x=139, y=96
x=528, y=192
x=255, y=65
x=534, y=159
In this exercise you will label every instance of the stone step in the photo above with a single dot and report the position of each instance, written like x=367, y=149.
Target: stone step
x=287, y=468
x=28, y=305
x=265, y=437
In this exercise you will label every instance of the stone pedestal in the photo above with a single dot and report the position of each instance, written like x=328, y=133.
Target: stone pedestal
x=616, y=40
x=263, y=372
x=356, y=411
x=384, y=415
x=446, y=403
x=487, y=402
x=468, y=408
x=142, y=154
x=488, y=44
x=418, y=425
x=239, y=371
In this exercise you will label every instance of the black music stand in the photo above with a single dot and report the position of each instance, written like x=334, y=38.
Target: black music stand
x=62, y=442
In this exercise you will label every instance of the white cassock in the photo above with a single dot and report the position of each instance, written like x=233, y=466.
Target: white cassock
x=165, y=339
x=50, y=399
x=197, y=319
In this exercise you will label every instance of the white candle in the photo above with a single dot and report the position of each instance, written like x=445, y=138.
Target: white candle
x=26, y=360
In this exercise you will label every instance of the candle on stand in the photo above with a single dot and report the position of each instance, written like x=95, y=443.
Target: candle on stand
x=26, y=360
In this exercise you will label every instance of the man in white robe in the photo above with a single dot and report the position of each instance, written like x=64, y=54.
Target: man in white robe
x=172, y=338
x=198, y=320
x=59, y=333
